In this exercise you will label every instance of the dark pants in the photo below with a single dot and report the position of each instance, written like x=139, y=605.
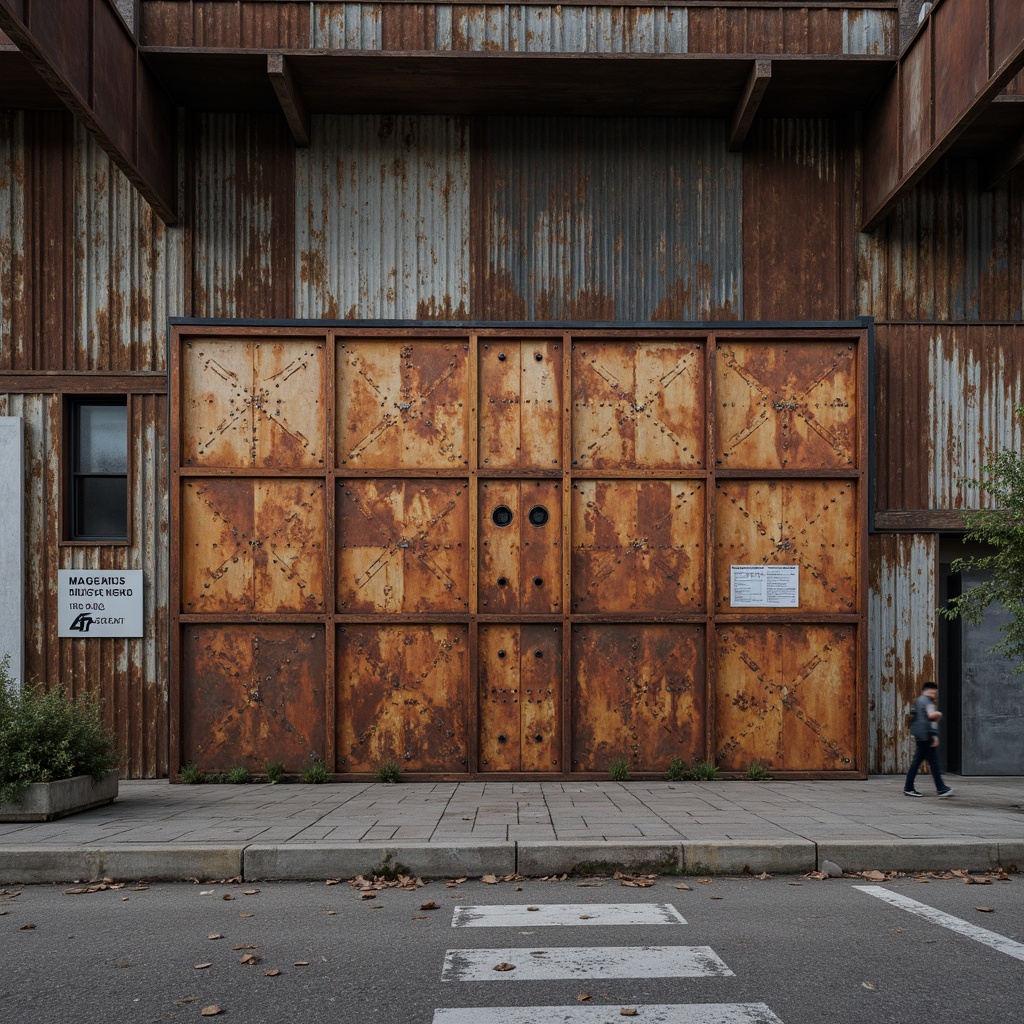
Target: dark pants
x=925, y=752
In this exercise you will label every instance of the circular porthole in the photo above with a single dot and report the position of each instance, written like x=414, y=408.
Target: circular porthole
x=539, y=515
x=501, y=516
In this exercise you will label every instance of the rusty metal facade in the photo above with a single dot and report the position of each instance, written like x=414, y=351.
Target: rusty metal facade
x=382, y=222
x=902, y=651
x=541, y=605
x=542, y=27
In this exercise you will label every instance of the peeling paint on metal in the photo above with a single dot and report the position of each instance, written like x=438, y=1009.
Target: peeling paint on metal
x=382, y=218
x=335, y=26
x=902, y=598
x=12, y=238
x=869, y=31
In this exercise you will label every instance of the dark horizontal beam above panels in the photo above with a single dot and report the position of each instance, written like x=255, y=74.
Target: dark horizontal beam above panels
x=919, y=520
x=85, y=53
x=964, y=54
x=56, y=383
x=697, y=85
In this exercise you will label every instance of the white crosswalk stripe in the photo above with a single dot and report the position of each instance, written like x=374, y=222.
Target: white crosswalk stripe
x=691, y=1013
x=582, y=962
x=566, y=914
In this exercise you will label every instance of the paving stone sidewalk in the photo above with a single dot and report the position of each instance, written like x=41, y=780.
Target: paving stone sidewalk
x=158, y=830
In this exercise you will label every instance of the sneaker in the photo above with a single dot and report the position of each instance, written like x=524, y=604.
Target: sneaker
x=914, y=792
x=948, y=791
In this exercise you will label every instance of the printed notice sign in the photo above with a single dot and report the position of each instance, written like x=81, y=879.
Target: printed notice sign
x=764, y=586
x=99, y=602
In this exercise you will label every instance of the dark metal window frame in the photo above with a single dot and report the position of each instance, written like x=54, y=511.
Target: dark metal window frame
x=72, y=475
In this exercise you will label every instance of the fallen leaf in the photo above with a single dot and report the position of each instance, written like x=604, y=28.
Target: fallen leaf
x=819, y=875
x=182, y=1002
x=583, y=917
x=251, y=958
x=246, y=915
x=683, y=885
x=503, y=966
x=985, y=910
x=215, y=935
x=583, y=997
x=227, y=896
x=272, y=973
x=202, y=967
x=301, y=963
x=873, y=876
x=489, y=879
x=704, y=881
x=252, y=892
x=250, y=946
x=590, y=883
x=430, y=906
x=716, y=897
x=420, y=917
x=26, y=927
x=867, y=984
x=628, y=1011
x=207, y=892
x=533, y=908
x=539, y=952
x=899, y=931
x=763, y=875
x=975, y=880
x=368, y=896
x=796, y=883
x=210, y=1011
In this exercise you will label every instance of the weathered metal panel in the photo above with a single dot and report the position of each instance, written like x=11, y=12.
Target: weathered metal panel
x=382, y=219
x=808, y=523
x=251, y=545
x=257, y=403
x=795, y=209
x=638, y=404
x=128, y=269
x=520, y=404
x=243, y=216
x=947, y=396
x=255, y=24
x=12, y=239
x=341, y=26
x=783, y=698
x=403, y=695
x=948, y=251
x=402, y=404
x=403, y=546
x=519, y=678
x=130, y=675
x=902, y=598
x=638, y=546
x=608, y=219
x=637, y=693
x=787, y=405
x=870, y=31
x=520, y=553
x=253, y=694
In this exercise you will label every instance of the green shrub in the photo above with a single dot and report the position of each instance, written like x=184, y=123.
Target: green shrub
x=678, y=770
x=316, y=773
x=274, y=770
x=619, y=770
x=238, y=776
x=192, y=775
x=704, y=771
x=46, y=736
x=389, y=771
x=758, y=772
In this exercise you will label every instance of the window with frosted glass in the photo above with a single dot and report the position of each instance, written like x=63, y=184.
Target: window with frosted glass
x=99, y=470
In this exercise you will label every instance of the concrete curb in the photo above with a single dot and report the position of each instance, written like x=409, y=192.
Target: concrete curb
x=166, y=863
x=750, y=857
x=553, y=858
x=911, y=854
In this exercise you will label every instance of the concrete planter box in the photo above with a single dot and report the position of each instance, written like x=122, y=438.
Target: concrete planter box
x=44, y=801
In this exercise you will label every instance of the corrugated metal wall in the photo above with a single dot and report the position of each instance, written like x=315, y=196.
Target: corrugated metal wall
x=12, y=236
x=382, y=219
x=902, y=630
x=607, y=219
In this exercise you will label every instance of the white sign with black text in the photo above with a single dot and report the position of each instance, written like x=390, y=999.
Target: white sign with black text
x=764, y=586
x=99, y=602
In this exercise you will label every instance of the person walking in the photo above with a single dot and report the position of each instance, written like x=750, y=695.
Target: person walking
x=924, y=727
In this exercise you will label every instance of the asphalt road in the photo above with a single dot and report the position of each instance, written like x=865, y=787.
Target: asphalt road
x=809, y=950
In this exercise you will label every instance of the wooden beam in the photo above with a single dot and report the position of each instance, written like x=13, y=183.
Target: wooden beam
x=965, y=53
x=919, y=520
x=288, y=95
x=757, y=85
x=84, y=382
x=88, y=56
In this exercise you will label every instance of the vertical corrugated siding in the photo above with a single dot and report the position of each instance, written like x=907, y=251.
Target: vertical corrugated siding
x=609, y=219
x=902, y=598
x=12, y=238
x=128, y=269
x=869, y=31
x=382, y=215
x=796, y=208
x=345, y=27
x=130, y=675
x=949, y=251
x=243, y=216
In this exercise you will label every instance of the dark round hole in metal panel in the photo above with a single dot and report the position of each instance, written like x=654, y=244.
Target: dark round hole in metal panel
x=538, y=581
x=501, y=357
x=501, y=654
x=538, y=738
x=538, y=653
x=502, y=516
x=539, y=515
x=503, y=739
x=502, y=581
x=537, y=356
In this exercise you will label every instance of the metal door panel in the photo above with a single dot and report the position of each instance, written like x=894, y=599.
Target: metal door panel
x=402, y=404
x=253, y=545
x=784, y=697
x=808, y=523
x=254, y=403
x=786, y=405
x=403, y=694
x=253, y=695
x=638, y=693
x=638, y=404
x=403, y=546
x=500, y=690
x=540, y=698
x=638, y=546
x=520, y=404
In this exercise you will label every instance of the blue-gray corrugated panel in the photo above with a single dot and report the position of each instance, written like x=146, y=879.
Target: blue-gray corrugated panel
x=335, y=26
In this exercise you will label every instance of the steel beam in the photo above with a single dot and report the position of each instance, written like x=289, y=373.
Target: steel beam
x=746, y=109
x=288, y=95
